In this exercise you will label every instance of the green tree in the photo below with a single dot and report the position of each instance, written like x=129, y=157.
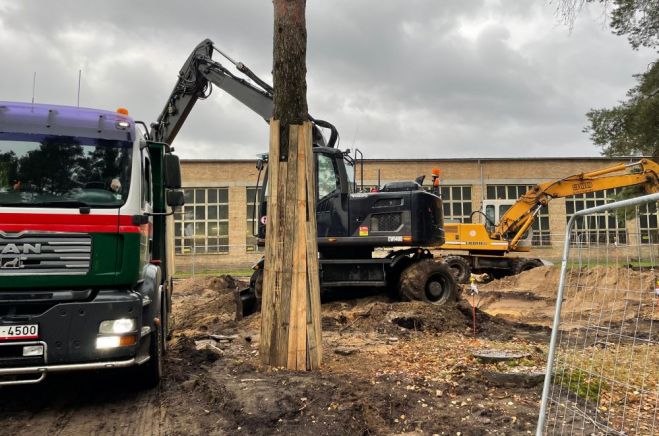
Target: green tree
x=632, y=127
x=638, y=20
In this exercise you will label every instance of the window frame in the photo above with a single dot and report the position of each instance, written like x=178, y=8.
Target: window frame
x=591, y=225
x=201, y=208
x=541, y=230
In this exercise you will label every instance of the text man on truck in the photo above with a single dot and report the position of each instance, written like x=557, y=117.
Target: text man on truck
x=85, y=264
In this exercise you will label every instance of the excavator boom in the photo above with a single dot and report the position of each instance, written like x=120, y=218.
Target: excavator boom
x=195, y=80
x=505, y=235
x=520, y=216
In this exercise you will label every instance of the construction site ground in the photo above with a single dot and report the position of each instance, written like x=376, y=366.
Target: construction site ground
x=389, y=368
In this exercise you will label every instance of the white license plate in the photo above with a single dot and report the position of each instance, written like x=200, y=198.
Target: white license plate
x=17, y=332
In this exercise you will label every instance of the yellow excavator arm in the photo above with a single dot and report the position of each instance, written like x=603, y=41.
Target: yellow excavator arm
x=509, y=231
x=521, y=215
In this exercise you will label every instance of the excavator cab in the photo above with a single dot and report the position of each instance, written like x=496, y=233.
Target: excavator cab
x=494, y=210
x=402, y=214
x=334, y=180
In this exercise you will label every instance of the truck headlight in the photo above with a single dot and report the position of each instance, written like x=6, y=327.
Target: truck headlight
x=106, y=342
x=117, y=326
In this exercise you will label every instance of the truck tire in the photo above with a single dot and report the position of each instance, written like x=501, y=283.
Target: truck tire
x=459, y=268
x=523, y=264
x=429, y=281
x=151, y=372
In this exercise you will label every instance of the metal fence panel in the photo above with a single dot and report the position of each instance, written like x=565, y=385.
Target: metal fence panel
x=603, y=364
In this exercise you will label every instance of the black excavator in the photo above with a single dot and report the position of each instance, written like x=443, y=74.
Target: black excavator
x=365, y=239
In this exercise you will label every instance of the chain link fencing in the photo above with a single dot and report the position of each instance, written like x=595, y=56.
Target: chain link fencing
x=603, y=364
x=216, y=259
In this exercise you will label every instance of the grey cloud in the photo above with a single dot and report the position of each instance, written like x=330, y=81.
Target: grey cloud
x=399, y=79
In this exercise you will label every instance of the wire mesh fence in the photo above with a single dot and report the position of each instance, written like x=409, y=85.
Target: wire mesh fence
x=603, y=365
x=216, y=259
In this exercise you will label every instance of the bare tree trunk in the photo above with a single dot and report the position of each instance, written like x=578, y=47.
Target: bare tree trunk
x=290, y=309
x=290, y=62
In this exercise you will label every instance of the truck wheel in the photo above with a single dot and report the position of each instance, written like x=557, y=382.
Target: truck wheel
x=459, y=268
x=522, y=264
x=429, y=281
x=151, y=372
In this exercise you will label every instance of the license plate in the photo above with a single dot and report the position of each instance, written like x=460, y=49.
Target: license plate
x=17, y=332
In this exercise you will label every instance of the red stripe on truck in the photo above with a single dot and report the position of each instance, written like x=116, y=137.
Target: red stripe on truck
x=18, y=222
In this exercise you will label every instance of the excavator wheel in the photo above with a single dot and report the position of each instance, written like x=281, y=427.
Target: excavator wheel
x=459, y=268
x=427, y=280
x=522, y=264
x=250, y=298
x=256, y=283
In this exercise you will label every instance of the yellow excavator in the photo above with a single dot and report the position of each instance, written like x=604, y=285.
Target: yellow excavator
x=507, y=222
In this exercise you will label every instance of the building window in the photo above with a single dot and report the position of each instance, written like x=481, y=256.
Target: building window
x=598, y=228
x=252, y=201
x=202, y=225
x=541, y=236
x=648, y=218
x=457, y=203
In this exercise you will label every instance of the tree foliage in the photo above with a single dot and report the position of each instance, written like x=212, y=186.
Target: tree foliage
x=632, y=127
x=638, y=20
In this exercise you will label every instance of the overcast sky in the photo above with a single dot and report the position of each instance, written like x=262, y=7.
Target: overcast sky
x=399, y=79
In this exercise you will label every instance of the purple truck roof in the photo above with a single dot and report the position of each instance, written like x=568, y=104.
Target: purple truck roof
x=52, y=119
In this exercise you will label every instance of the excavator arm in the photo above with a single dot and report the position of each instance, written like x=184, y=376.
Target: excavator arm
x=516, y=221
x=195, y=80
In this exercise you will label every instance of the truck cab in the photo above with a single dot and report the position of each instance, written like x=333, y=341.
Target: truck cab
x=85, y=266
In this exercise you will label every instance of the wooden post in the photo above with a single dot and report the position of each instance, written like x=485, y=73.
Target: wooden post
x=290, y=309
x=290, y=306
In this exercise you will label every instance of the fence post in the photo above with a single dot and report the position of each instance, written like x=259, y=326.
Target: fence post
x=194, y=255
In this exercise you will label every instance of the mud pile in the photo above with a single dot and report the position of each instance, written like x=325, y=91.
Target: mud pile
x=204, y=304
x=530, y=297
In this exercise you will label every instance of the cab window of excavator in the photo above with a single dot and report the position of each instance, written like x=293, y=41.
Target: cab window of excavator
x=328, y=178
x=350, y=173
x=489, y=214
x=502, y=211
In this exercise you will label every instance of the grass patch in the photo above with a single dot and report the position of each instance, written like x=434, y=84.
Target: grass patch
x=581, y=383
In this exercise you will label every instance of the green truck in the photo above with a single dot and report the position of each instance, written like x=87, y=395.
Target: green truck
x=85, y=259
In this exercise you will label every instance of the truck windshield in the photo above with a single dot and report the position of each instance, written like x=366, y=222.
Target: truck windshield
x=63, y=171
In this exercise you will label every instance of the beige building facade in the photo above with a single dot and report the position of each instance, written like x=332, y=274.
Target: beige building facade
x=214, y=229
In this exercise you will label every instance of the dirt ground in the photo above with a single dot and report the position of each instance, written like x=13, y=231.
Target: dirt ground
x=389, y=368
x=608, y=352
x=530, y=297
